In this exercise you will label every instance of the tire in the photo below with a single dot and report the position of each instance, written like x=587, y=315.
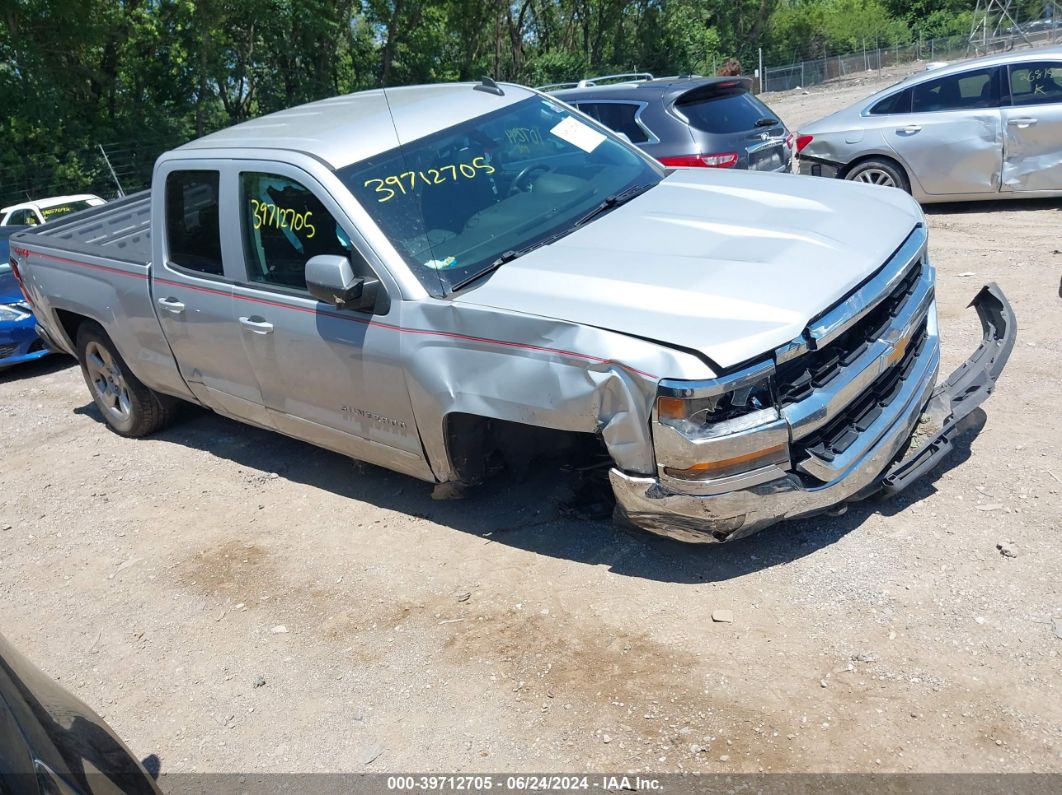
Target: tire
x=880, y=172
x=129, y=408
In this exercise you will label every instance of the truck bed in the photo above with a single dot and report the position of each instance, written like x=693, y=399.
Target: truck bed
x=95, y=266
x=119, y=230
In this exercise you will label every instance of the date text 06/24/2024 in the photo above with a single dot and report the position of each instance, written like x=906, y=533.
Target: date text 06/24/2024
x=522, y=783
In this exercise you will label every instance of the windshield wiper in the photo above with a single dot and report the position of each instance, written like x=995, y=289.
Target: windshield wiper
x=509, y=256
x=767, y=121
x=614, y=201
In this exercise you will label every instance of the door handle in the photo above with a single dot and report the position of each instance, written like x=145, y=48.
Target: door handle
x=1024, y=121
x=910, y=128
x=256, y=325
x=171, y=304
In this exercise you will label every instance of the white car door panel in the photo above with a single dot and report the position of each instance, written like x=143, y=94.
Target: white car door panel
x=952, y=140
x=1032, y=152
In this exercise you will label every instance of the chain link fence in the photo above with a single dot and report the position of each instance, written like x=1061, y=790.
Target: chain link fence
x=132, y=162
x=875, y=59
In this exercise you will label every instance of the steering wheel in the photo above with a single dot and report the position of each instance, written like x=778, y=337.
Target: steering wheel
x=522, y=177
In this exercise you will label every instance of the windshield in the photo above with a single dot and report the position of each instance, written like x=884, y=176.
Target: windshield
x=50, y=213
x=455, y=202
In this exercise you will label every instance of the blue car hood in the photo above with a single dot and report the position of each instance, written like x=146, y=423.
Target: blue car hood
x=9, y=292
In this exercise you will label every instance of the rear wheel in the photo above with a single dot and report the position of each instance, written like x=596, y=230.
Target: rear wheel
x=129, y=408
x=880, y=172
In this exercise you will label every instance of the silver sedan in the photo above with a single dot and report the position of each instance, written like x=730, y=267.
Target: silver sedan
x=989, y=128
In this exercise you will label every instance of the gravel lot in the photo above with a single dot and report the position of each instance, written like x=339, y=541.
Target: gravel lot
x=232, y=600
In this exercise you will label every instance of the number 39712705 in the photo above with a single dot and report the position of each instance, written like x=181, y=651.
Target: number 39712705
x=408, y=181
x=266, y=214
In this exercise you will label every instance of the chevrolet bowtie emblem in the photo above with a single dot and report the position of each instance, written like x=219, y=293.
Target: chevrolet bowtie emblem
x=899, y=348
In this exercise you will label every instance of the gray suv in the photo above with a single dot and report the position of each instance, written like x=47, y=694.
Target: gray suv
x=687, y=120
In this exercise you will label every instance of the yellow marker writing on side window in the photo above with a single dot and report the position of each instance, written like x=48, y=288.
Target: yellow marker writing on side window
x=408, y=181
x=269, y=215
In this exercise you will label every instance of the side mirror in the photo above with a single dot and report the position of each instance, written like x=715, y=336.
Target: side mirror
x=330, y=278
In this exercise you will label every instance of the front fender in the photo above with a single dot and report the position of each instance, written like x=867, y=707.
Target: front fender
x=536, y=371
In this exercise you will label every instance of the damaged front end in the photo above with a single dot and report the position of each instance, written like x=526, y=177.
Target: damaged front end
x=829, y=419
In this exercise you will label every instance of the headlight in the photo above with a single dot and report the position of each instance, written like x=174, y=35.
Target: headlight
x=9, y=313
x=693, y=413
x=715, y=429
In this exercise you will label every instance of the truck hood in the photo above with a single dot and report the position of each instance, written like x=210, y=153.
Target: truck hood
x=728, y=264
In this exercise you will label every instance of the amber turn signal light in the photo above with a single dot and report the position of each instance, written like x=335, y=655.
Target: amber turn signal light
x=727, y=466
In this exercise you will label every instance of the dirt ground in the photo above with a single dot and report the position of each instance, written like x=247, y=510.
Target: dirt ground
x=232, y=600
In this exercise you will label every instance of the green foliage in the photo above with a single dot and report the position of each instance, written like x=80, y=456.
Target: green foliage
x=141, y=76
x=817, y=28
x=692, y=41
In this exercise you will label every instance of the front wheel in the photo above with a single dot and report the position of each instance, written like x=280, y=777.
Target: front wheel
x=880, y=172
x=129, y=408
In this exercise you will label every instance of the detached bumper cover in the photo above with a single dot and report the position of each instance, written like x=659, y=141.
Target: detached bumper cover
x=919, y=438
x=966, y=389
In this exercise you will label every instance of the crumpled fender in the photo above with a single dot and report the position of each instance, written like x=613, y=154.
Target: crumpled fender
x=537, y=371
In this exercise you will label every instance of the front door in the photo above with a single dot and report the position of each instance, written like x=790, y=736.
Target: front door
x=330, y=376
x=952, y=140
x=193, y=297
x=1032, y=159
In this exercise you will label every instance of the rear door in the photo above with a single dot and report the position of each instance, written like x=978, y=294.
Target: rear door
x=1032, y=152
x=330, y=376
x=193, y=295
x=952, y=139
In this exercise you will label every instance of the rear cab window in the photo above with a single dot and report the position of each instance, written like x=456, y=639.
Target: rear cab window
x=192, y=227
x=723, y=109
x=1038, y=83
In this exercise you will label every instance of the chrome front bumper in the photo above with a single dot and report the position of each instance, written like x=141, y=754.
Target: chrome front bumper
x=872, y=465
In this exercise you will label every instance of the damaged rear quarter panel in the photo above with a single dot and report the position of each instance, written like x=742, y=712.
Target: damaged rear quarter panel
x=537, y=371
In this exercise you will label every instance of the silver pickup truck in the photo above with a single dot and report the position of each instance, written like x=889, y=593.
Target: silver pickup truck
x=424, y=278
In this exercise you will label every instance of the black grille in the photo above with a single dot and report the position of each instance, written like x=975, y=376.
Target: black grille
x=799, y=378
x=7, y=350
x=833, y=439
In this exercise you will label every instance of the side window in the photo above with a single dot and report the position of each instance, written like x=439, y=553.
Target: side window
x=192, y=232
x=618, y=116
x=964, y=91
x=1037, y=83
x=285, y=225
x=900, y=102
x=23, y=218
